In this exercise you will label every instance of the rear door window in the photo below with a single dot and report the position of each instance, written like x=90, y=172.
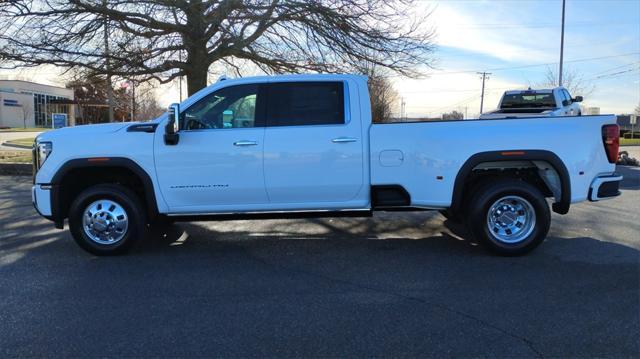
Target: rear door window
x=305, y=104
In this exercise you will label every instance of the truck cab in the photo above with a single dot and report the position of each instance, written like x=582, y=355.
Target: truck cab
x=304, y=156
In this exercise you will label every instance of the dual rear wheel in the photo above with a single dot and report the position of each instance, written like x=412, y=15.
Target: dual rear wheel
x=508, y=216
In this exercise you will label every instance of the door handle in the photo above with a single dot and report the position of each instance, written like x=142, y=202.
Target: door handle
x=343, y=140
x=245, y=143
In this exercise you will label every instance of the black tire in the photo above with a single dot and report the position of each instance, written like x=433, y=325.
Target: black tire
x=122, y=196
x=460, y=215
x=510, y=191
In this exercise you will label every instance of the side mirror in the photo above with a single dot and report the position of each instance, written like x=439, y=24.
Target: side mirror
x=171, y=136
x=577, y=99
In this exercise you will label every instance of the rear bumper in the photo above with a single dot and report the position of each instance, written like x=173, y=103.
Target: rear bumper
x=605, y=187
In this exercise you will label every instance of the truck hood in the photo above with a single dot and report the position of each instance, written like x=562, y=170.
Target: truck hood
x=82, y=130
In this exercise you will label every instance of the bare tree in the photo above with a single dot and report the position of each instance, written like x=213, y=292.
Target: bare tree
x=91, y=93
x=453, y=115
x=571, y=80
x=26, y=111
x=165, y=39
x=383, y=96
x=147, y=106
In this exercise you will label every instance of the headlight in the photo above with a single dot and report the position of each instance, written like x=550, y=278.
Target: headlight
x=43, y=150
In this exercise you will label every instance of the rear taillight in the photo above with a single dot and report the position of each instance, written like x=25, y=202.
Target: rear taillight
x=611, y=141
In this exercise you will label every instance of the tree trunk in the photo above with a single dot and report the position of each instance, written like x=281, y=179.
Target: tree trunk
x=197, y=77
x=195, y=42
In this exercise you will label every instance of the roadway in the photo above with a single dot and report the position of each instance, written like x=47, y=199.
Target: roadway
x=398, y=284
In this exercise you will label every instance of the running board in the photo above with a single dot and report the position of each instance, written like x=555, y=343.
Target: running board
x=267, y=215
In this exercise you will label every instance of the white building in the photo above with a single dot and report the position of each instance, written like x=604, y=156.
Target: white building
x=31, y=104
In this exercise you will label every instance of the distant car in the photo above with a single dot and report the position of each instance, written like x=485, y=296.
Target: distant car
x=536, y=103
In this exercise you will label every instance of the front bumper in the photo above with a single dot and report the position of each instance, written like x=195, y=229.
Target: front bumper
x=605, y=187
x=41, y=199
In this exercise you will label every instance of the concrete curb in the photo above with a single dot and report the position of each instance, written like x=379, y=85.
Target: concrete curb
x=6, y=144
x=16, y=169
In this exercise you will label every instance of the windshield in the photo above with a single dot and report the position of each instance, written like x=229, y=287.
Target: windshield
x=528, y=100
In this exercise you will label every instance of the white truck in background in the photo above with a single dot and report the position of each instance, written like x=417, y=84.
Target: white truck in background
x=305, y=146
x=554, y=102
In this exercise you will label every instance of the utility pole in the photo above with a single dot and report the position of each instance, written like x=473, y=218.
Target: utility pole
x=485, y=76
x=561, y=46
x=402, y=109
x=108, y=64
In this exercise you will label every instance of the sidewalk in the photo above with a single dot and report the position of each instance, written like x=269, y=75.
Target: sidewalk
x=8, y=136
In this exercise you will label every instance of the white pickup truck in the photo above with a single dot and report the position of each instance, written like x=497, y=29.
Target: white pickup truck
x=536, y=103
x=304, y=145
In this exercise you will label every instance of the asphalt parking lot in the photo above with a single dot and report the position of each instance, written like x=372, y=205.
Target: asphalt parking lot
x=397, y=284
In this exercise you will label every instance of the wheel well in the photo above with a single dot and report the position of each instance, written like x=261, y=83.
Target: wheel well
x=521, y=163
x=77, y=180
x=527, y=171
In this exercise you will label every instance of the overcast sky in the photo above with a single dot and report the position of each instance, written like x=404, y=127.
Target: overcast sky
x=508, y=38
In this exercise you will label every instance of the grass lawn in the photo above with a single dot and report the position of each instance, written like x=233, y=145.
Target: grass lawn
x=28, y=141
x=15, y=157
x=28, y=129
x=629, y=141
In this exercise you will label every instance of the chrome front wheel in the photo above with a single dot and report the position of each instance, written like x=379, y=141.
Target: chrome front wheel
x=105, y=222
x=511, y=219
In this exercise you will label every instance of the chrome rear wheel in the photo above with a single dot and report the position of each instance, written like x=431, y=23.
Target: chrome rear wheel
x=508, y=216
x=511, y=219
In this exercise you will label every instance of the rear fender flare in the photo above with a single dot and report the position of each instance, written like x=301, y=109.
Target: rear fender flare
x=561, y=206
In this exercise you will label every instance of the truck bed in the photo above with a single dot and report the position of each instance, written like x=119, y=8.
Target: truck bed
x=426, y=156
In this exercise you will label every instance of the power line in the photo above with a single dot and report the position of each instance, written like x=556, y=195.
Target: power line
x=539, y=26
x=438, y=108
x=431, y=110
x=448, y=90
x=528, y=66
x=614, y=74
x=616, y=68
